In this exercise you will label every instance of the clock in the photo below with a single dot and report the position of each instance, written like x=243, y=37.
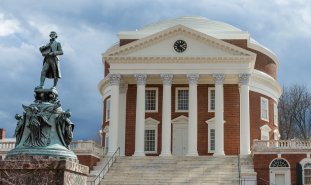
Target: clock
x=180, y=46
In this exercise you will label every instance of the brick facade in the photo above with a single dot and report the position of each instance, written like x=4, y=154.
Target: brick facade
x=88, y=160
x=262, y=162
x=255, y=119
x=2, y=133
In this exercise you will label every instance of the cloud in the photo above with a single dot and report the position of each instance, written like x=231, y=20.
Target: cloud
x=8, y=26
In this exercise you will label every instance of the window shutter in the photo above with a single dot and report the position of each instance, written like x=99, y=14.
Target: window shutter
x=299, y=174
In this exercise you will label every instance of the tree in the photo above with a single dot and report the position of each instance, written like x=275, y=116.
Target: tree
x=295, y=112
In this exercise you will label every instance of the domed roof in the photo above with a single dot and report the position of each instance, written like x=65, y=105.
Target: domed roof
x=200, y=24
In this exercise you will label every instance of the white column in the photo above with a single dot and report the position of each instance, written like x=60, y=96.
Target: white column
x=140, y=115
x=219, y=114
x=122, y=117
x=244, y=115
x=166, y=114
x=114, y=110
x=193, y=115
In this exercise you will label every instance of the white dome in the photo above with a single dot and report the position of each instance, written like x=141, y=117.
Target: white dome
x=200, y=24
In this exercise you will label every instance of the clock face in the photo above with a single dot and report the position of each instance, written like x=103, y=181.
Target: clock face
x=180, y=46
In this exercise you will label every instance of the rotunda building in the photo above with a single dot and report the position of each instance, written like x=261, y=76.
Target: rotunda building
x=188, y=86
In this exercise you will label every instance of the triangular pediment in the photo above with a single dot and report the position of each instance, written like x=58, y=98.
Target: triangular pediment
x=180, y=119
x=212, y=121
x=161, y=45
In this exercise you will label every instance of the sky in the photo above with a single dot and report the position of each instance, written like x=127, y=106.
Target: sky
x=86, y=28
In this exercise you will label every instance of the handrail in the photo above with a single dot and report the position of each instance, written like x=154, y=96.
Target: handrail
x=239, y=167
x=105, y=169
x=265, y=182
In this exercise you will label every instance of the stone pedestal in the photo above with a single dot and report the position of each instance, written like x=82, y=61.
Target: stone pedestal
x=42, y=170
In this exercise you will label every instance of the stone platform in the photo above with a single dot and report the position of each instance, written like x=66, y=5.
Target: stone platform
x=42, y=170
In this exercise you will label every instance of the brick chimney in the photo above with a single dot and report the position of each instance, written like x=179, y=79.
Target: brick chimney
x=2, y=133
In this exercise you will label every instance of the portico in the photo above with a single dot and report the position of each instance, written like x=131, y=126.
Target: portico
x=166, y=80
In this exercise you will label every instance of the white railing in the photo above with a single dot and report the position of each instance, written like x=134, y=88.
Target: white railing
x=281, y=145
x=78, y=147
x=6, y=146
x=87, y=147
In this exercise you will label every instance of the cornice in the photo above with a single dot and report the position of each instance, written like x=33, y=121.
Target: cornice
x=184, y=59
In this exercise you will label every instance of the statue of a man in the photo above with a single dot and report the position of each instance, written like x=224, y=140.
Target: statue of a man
x=51, y=68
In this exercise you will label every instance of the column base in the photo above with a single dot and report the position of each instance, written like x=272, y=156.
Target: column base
x=139, y=154
x=166, y=154
x=110, y=153
x=219, y=154
x=192, y=154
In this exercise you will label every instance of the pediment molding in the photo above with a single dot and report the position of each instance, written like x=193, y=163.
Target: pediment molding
x=120, y=53
x=212, y=121
x=180, y=119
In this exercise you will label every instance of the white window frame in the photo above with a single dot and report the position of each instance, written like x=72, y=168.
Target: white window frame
x=303, y=162
x=106, y=131
x=211, y=126
x=108, y=109
x=265, y=133
x=157, y=97
x=176, y=98
x=262, y=108
x=275, y=114
x=209, y=99
x=152, y=124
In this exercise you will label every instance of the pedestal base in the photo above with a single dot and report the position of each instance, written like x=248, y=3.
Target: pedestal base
x=40, y=170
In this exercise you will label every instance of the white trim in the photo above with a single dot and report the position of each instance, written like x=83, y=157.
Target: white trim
x=276, y=134
x=176, y=98
x=261, y=108
x=157, y=99
x=275, y=115
x=152, y=124
x=265, y=132
x=209, y=99
x=108, y=109
x=211, y=125
x=280, y=170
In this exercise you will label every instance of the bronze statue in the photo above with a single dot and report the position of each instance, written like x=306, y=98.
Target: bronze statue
x=51, y=68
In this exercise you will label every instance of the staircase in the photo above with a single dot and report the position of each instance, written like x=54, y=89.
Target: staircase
x=248, y=175
x=173, y=170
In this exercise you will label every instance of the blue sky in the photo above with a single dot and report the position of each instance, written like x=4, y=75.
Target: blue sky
x=87, y=28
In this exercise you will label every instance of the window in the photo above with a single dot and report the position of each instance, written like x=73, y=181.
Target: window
x=151, y=99
x=264, y=104
x=275, y=114
x=307, y=174
x=265, y=130
x=211, y=147
x=151, y=136
x=150, y=140
x=211, y=99
x=182, y=99
x=108, y=109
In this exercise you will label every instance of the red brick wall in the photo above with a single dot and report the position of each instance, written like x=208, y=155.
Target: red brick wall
x=126, y=41
x=255, y=117
x=2, y=133
x=88, y=160
x=262, y=162
x=107, y=67
x=263, y=62
x=130, y=120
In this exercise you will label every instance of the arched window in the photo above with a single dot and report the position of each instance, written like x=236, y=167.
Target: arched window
x=279, y=163
x=280, y=171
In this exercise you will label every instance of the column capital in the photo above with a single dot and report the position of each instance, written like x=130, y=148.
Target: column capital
x=218, y=78
x=141, y=79
x=244, y=78
x=167, y=78
x=114, y=79
x=123, y=87
x=193, y=78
